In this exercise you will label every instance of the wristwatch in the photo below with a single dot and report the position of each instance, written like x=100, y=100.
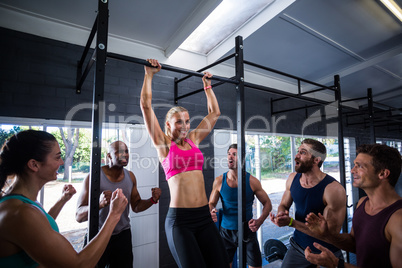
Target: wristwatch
x=341, y=263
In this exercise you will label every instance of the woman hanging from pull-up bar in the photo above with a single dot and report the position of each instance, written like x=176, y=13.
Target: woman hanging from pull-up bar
x=192, y=236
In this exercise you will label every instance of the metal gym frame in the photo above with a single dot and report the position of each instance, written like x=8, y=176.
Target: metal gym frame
x=386, y=118
x=335, y=88
x=100, y=56
x=390, y=117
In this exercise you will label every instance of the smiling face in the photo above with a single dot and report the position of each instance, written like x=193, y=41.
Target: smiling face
x=49, y=168
x=232, y=158
x=364, y=175
x=118, y=154
x=179, y=125
x=304, y=160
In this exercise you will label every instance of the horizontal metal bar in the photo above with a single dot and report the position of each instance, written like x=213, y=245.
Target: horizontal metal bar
x=279, y=99
x=355, y=114
x=299, y=94
x=384, y=105
x=388, y=111
x=359, y=123
x=295, y=109
x=208, y=66
x=312, y=91
x=288, y=75
x=168, y=67
x=355, y=99
x=376, y=112
x=387, y=120
x=375, y=125
x=283, y=93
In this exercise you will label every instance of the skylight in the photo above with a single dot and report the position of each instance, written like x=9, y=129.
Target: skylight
x=226, y=19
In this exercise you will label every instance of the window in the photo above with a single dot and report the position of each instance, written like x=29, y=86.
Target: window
x=72, y=172
x=226, y=19
x=270, y=158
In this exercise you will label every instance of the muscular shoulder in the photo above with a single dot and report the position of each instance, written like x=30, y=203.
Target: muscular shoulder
x=219, y=179
x=290, y=179
x=361, y=201
x=396, y=217
x=132, y=177
x=218, y=182
x=334, y=188
x=334, y=191
x=17, y=215
x=393, y=227
x=255, y=184
x=292, y=176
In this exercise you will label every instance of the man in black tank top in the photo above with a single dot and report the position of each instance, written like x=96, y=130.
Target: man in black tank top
x=376, y=235
x=119, y=252
x=311, y=190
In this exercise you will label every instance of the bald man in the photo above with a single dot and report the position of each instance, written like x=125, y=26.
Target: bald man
x=114, y=175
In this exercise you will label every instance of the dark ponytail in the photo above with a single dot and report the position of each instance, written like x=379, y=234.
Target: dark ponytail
x=20, y=148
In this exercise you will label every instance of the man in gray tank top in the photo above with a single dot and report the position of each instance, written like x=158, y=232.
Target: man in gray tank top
x=119, y=250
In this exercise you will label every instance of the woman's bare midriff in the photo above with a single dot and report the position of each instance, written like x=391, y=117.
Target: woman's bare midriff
x=187, y=190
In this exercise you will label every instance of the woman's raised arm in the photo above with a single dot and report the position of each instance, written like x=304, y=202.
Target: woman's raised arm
x=151, y=122
x=207, y=124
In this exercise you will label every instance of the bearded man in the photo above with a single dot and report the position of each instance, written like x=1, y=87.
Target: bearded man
x=311, y=190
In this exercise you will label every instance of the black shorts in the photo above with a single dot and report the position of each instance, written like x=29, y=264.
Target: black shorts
x=119, y=251
x=231, y=238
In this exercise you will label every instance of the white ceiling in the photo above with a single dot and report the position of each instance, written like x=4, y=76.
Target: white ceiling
x=312, y=39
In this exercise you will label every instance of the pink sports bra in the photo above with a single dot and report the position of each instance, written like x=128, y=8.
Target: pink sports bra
x=178, y=161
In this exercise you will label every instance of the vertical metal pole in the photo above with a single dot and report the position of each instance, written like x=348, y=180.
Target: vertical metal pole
x=272, y=106
x=341, y=146
x=241, y=150
x=79, y=74
x=257, y=161
x=298, y=87
x=371, y=114
x=98, y=116
x=292, y=151
x=42, y=191
x=176, y=90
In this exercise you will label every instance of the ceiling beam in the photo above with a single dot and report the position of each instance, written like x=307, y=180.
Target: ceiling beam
x=364, y=63
x=199, y=14
x=368, y=63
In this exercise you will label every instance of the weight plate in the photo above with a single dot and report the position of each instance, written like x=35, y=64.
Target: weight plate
x=274, y=250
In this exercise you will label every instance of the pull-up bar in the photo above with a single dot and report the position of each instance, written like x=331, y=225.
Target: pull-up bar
x=81, y=76
x=288, y=75
x=168, y=67
x=208, y=66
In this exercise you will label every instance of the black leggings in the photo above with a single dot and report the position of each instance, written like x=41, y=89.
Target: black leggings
x=194, y=239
